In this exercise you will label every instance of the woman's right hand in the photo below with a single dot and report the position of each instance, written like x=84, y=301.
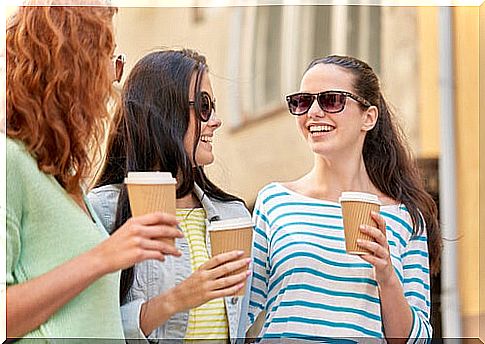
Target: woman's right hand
x=212, y=280
x=209, y=282
x=139, y=239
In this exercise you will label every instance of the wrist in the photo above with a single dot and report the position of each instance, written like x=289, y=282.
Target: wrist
x=98, y=262
x=390, y=283
x=93, y=265
x=173, y=302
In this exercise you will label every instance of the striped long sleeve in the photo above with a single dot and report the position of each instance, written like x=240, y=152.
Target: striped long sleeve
x=416, y=285
x=259, y=285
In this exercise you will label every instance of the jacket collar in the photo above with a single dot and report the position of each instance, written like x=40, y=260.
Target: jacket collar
x=207, y=204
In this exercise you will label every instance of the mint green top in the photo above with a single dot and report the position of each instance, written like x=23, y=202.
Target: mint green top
x=46, y=228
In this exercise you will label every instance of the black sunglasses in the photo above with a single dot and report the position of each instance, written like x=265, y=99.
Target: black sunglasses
x=329, y=101
x=204, y=106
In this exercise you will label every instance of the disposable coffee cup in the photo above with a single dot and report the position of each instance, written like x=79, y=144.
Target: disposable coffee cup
x=150, y=192
x=356, y=211
x=230, y=235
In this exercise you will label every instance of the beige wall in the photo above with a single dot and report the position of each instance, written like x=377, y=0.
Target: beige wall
x=482, y=175
x=466, y=38
x=400, y=82
x=429, y=125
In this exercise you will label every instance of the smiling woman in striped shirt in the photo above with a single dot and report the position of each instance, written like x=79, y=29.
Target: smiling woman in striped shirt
x=304, y=284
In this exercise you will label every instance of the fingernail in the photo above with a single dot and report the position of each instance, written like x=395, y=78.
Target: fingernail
x=248, y=260
x=363, y=227
x=359, y=241
x=240, y=253
x=248, y=273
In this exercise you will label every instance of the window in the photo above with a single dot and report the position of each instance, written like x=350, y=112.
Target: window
x=266, y=57
x=272, y=45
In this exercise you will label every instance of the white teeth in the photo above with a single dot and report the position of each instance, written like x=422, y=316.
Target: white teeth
x=206, y=138
x=318, y=128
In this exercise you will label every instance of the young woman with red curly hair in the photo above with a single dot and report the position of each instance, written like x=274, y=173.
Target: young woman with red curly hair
x=62, y=269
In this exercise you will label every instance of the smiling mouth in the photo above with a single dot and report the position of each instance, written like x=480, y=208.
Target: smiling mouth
x=316, y=130
x=206, y=138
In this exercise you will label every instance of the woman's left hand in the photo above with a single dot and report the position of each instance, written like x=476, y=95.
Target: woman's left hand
x=380, y=257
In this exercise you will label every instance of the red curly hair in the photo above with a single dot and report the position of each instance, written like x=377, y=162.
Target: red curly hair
x=58, y=84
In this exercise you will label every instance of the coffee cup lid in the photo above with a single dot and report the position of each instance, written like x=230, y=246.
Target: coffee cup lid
x=359, y=197
x=240, y=222
x=150, y=178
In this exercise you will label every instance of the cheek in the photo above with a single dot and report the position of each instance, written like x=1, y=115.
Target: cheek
x=301, y=123
x=189, y=143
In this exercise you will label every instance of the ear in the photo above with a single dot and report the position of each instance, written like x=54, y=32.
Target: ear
x=369, y=118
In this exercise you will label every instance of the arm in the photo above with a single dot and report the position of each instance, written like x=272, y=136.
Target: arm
x=405, y=307
x=205, y=284
x=259, y=284
x=32, y=303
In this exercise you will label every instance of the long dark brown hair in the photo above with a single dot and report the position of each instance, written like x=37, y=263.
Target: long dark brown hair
x=149, y=133
x=387, y=158
x=59, y=83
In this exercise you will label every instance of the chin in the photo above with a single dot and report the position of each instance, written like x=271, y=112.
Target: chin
x=323, y=149
x=205, y=160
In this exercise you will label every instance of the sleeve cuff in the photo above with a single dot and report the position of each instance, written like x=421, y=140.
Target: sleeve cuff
x=420, y=333
x=130, y=315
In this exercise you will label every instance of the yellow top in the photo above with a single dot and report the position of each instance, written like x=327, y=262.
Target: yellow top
x=208, y=321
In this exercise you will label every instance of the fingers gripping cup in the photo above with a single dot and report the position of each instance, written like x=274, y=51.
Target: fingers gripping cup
x=149, y=192
x=230, y=235
x=356, y=210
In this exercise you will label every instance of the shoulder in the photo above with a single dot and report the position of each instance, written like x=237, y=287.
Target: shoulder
x=105, y=190
x=270, y=189
x=18, y=158
x=230, y=209
x=104, y=201
x=399, y=221
x=273, y=192
x=22, y=171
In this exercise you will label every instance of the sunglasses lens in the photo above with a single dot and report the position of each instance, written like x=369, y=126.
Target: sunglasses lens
x=205, y=107
x=331, y=102
x=298, y=104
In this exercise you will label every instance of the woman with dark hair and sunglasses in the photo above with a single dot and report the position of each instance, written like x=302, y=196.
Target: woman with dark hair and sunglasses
x=62, y=270
x=167, y=122
x=304, y=283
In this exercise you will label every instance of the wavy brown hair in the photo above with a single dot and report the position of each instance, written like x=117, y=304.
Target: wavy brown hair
x=58, y=85
x=387, y=158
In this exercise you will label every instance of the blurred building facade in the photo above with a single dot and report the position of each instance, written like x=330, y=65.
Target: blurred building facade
x=257, y=55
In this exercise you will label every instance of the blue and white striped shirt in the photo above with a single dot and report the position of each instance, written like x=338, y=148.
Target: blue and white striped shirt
x=311, y=288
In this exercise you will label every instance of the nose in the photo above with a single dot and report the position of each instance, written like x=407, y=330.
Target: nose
x=214, y=121
x=315, y=111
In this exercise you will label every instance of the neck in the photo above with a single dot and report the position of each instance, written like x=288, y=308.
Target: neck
x=188, y=201
x=331, y=177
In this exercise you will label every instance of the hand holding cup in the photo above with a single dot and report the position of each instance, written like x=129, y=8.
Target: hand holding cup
x=150, y=192
x=356, y=211
x=380, y=256
x=229, y=235
x=139, y=239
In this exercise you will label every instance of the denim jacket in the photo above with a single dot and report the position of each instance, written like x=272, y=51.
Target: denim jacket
x=153, y=277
